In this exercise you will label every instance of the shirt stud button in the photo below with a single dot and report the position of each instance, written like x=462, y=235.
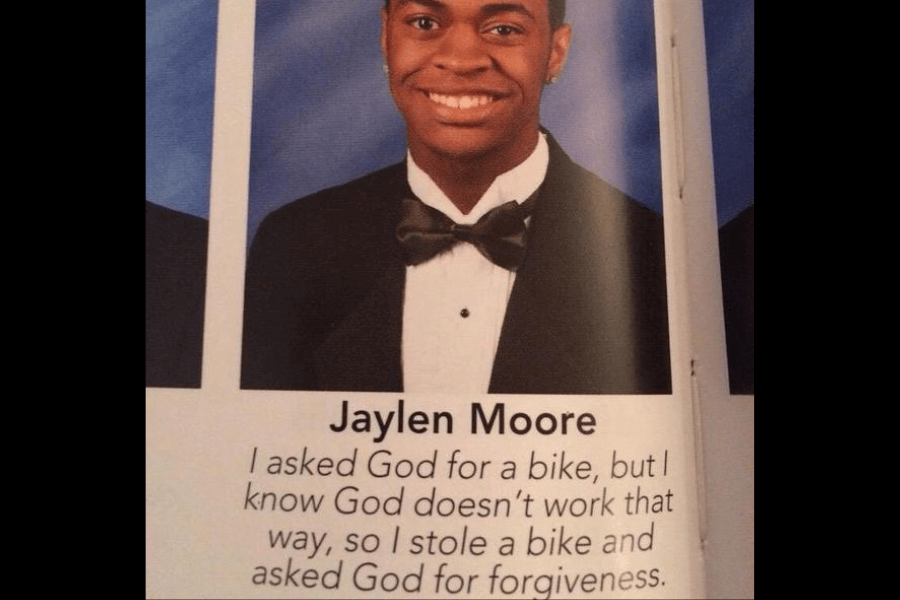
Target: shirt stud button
x=464, y=313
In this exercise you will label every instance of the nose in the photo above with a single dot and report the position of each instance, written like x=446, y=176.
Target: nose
x=462, y=51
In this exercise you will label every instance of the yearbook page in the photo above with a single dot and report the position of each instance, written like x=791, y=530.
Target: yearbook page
x=419, y=316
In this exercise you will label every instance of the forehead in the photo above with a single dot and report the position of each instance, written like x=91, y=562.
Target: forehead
x=535, y=8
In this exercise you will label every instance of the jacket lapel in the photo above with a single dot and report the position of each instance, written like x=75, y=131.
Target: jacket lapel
x=536, y=353
x=363, y=352
x=583, y=316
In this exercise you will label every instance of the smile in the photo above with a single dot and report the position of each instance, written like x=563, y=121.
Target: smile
x=460, y=102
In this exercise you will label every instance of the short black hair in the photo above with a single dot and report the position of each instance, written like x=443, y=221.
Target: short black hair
x=557, y=12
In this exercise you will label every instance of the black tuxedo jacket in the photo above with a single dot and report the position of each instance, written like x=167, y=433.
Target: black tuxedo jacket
x=175, y=272
x=587, y=314
x=736, y=258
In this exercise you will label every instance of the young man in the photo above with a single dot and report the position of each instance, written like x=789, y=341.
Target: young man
x=487, y=261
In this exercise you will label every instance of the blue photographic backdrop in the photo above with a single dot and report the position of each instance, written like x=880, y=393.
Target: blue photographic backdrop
x=322, y=114
x=180, y=81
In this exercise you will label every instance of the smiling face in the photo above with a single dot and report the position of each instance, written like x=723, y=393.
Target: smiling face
x=467, y=75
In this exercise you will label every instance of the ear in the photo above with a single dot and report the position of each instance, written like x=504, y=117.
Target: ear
x=559, y=50
x=384, y=26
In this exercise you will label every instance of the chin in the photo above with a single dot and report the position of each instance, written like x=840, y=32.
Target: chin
x=462, y=149
x=463, y=143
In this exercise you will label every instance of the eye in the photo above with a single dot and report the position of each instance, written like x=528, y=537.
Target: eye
x=424, y=23
x=504, y=30
x=505, y=33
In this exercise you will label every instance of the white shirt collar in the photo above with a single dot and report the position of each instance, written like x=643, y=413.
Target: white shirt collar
x=516, y=184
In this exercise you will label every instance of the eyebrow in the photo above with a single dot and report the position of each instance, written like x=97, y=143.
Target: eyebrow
x=487, y=10
x=434, y=4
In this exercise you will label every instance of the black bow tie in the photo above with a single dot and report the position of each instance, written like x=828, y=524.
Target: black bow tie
x=424, y=232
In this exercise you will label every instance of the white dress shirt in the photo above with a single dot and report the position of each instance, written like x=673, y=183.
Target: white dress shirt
x=454, y=304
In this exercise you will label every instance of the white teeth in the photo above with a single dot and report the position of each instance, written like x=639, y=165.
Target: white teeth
x=461, y=102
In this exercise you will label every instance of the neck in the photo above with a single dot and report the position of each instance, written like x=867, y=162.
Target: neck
x=465, y=178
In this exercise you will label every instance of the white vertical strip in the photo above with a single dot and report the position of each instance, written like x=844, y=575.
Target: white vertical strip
x=725, y=452
x=229, y=187
x=674, y=177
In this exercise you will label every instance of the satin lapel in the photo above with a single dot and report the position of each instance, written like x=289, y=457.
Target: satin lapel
x=534, y=354
x=587, y=313
x=363, y=352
